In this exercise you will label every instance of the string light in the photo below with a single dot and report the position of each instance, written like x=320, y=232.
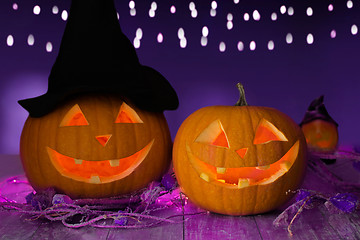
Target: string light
x=131, y=4
x=203, y=41
x=274, y=16
x=213, y=9
x=139, y=33
x=333, y=34
x=205, y=34
x=240, y=46
x=252, y=45
x=183, y=42
x=246, y=16
x=205, y=31
x=330, y=7
x=36, y=10
x=152, y=10
x=309, y=11
x=10, y=40
x=289, y=38
x=181, y=33
x=255, y=14
x=31, y=40
x=181, y=36
x=283, y=9
x=290, y=11
x=132, y=8
x=222, y=47
x=136, y=43
x=138, y=37
x=49, y=47
x=271, y=45
x=160, y=38
x=64, y=15
x=354, y=29
x=310, y=38
x=55, y=10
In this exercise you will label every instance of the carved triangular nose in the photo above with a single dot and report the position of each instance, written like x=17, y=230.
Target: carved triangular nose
x=242, y=152
x=103, y=139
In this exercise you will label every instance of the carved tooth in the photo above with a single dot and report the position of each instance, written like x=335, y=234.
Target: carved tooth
x=78, y=161
x=220, y=170
x=263, y=167
x=243, y=182
x=205, y=177
x=221, y=180
x=285, y=165
x=95, y=179
x=114, y=163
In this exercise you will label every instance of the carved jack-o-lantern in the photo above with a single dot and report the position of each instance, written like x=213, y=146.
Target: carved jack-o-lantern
x=95, y=146
x=239, y=160
x=320, y=130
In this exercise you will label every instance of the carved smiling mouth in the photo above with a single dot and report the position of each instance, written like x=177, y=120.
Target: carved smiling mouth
x=237, y=178
x=101, y=171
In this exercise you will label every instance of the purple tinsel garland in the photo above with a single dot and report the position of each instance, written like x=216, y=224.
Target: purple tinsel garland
x=137, y=210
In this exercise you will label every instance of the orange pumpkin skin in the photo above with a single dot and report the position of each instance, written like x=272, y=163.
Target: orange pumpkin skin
x=321, y=135
x=49, y=146
x=240, y=124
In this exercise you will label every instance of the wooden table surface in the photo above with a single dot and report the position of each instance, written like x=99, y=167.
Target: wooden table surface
x=316, y=223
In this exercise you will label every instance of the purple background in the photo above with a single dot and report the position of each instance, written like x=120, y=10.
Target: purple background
x=287, y=78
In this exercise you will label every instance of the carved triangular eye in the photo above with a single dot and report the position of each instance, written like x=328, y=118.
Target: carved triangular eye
x=127, y=115
x=267, y=132
x=214, y=134
x=74, y=117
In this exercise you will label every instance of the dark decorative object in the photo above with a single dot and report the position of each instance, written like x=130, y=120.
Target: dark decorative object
x=319, y=128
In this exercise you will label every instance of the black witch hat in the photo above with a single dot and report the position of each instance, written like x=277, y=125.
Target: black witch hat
x=95, y=56
x=317, y=110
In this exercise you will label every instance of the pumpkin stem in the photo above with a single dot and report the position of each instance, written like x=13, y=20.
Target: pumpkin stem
x=242, y=99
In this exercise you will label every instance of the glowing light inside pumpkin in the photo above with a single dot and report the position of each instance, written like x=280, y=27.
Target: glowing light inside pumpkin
x=103, y=139
x=238, y=178
x=127, y=115
x=97, y=171
x=320, y=134
x=214, y=134
x=267, y=132
x=242, y=152
x=74, y=117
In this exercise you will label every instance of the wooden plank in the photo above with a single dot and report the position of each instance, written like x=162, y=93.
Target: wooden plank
x=216, y=226
x=317, y=223
x=56, y=230
x=346, y=225
x=15, y=226
x=310, y=225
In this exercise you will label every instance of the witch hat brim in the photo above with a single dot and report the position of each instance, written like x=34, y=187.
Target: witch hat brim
x=95, y=56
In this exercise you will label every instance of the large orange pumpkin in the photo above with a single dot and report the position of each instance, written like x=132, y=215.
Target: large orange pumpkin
x=95, y=146
x=239, y=160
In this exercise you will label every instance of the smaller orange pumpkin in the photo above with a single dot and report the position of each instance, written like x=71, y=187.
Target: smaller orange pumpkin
x=320, y=130
x=239, y=160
